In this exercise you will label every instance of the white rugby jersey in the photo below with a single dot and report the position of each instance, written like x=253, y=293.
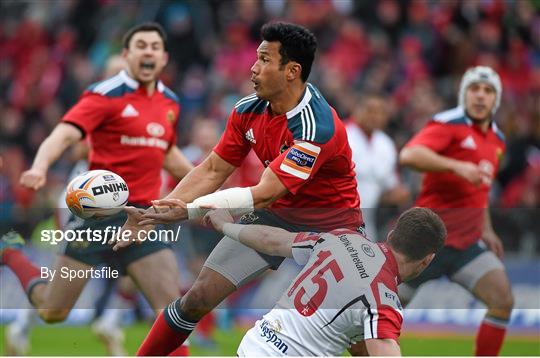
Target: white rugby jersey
x=345, y=293
x=375, y=160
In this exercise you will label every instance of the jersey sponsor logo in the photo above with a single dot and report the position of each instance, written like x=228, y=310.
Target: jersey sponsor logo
x=389, y=297
x=268, y=332
x=144, y=142
x=129, y=111
x=250, y=136
x=487, y=167
x=155, y=129
x=359, y=264
x=468, y=143
x=300, y=159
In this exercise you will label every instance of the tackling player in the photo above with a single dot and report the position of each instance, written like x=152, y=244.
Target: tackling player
x=460, y=151
x=309, y=181
x=347, y=291
x=130, y=120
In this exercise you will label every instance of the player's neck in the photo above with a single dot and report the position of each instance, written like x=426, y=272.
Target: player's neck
x=288, y=99
x=405, y=268
x=149, y=87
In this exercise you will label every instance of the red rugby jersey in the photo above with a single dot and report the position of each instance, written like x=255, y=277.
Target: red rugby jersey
x=459, y=203
x=307, y=149
x=129, y=132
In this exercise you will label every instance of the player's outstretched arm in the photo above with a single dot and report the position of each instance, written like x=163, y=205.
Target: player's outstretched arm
x=49, y=151
x=424, y=159
x=242, y=200
x=176, y=163
x=382, y=347
x=265, y=239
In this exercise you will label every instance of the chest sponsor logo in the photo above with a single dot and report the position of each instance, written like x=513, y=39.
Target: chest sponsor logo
x=468, y=143
x=155, y=129
x=250, y=136
x=487, y=167
x=129, y=111
x=300, y=159
x=268, y=332
x=389, y=297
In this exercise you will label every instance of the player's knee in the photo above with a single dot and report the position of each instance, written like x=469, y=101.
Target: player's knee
x=53, y=315
x=501, y=299
x=195, y=303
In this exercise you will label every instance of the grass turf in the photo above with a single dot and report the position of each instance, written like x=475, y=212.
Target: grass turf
x=79, y=341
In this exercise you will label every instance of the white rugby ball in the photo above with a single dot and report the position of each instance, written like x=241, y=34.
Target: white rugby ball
x=96, y=194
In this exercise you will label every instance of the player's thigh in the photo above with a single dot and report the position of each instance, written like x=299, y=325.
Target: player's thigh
x=494, y=290
x=472, y=265
x=236, y=262
x=157, y=276
x=63, y=291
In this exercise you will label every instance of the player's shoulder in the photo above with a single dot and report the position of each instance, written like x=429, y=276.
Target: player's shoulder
x=167, y=92
x=250, y=104
x=498, y=132
x=454, y=116
x=115, y=86
x=312, y=119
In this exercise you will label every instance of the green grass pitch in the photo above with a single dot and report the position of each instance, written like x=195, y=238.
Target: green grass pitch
x=79, y=341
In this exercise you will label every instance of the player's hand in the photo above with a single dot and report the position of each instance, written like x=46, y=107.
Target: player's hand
x=472, y=172
x=493, y=243
x=165, y=211
x=137, y=232
x=217, y=218
x=33, y=178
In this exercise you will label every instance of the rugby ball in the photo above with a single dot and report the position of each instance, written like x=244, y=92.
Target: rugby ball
x=97, y=193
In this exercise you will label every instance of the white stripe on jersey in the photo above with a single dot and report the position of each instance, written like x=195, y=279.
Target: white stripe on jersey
x=108, y=85
x=303, y=119
x=246, y=99
x=449, y=115
x=312, y=116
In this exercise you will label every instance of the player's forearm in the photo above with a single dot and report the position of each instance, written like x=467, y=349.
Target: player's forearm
x=426, y=160
x=54, y=145
x=382, y=347
x=205, y=178
x=264, y=239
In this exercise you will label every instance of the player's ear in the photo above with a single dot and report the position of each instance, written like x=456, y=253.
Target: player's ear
x=427, y=260
x=165, y=58
x=294, y=71
x=125, y=53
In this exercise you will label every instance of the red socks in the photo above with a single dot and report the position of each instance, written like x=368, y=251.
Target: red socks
x=490, y=336
x=22, y=267
x=168, y=334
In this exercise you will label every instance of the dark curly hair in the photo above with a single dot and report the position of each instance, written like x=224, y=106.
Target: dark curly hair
x=297, y=44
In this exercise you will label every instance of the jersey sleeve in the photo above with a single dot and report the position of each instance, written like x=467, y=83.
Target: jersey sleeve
x=303, y=246
x=382, y=323
x=435, y=135
x=89, y=112
x=232, y=146
x=300, y=163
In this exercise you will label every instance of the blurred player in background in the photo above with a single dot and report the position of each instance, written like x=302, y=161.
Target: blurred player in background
x=130, y=121
x=375, y=156
x=17, y=332
x=460, y=151
x=309, y=179
x=355, y=301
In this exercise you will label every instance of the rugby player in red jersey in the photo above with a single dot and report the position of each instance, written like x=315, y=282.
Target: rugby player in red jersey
x=460, y=150
x=308, y=185
x=130, y=120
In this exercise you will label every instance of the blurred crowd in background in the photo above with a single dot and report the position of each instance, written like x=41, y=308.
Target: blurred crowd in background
x=411, y=52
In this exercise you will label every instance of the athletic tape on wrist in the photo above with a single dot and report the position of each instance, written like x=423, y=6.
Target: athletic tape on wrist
x=239, y=200
x=232, y=230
